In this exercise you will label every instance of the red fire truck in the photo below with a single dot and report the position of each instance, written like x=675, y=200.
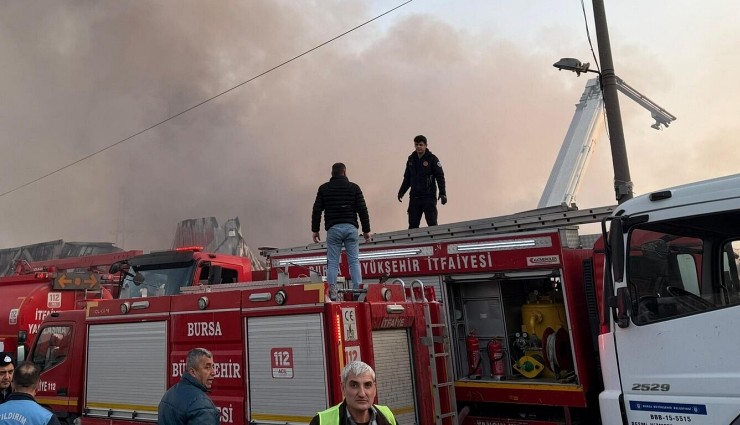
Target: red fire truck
x=39, y=288
x=519, y=301
x=516, y=328
x=518, y=320
x=278, y=349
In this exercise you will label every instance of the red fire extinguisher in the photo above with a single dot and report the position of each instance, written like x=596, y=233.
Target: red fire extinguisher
x=474, y=358
x=496, y=356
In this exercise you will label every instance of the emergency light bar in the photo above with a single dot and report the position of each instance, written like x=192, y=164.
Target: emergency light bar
x=304, y=261
x=390, y=254
x=494, y=245
x=196, y=248
x=499, y=245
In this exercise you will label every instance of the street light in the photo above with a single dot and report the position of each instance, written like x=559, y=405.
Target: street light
x=660, y=115
x=573, y=64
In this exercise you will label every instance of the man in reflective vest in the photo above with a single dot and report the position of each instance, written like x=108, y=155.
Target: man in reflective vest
x=358, y=389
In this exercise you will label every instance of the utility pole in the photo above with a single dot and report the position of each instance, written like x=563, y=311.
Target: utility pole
x=622, y=180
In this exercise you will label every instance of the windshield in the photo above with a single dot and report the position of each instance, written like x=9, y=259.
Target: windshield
x=681, y=267
x=161, y=279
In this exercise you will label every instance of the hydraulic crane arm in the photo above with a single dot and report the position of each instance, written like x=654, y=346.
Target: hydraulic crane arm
x=660, y=115
x=585, y=129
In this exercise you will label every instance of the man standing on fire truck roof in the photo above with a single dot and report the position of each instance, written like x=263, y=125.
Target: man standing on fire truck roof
x=7, y=366
x=341, y=201
x=422, y=174
x=21, y=408
x=186, y=403
x=358, y=389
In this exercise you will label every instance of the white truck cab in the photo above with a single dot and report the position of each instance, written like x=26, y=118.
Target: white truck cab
x=670, y=355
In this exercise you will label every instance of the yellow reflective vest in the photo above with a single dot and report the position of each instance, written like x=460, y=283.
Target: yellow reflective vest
x=330, y=416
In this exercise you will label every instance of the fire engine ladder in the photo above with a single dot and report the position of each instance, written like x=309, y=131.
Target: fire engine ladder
x=430, y=340
x=527, y=221
x=533, y=220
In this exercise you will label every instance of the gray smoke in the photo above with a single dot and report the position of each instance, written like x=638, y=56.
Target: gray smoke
x=81, y=75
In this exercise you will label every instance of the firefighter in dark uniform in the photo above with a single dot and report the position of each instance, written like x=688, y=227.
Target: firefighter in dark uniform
x=423, y=174
x=7, y=367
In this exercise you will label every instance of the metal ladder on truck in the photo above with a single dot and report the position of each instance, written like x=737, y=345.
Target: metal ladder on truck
x=560, y=216
x=430, y=341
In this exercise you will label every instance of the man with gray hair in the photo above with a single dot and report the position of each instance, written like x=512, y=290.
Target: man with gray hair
x=21, y=408
x=186, y=403
x=359, y=390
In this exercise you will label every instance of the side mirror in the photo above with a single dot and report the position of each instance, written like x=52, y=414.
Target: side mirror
x=20, y=354
x=21, y=349
x=620, y=307
x=119, y=266
x=616, y=249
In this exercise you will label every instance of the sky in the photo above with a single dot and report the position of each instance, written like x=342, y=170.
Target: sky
x=474, y=76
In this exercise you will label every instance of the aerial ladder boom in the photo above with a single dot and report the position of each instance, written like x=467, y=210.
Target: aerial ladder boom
x=660, y=115
x=583, y=133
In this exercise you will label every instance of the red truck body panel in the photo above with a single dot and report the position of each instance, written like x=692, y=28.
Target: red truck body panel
x=224, y=322
x=495, y=278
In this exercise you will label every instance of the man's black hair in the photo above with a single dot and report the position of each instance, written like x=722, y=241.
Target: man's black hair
x=420, y=139
x=338, y=169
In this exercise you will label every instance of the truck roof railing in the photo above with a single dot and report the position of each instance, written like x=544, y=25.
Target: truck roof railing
x=533, y=220
x=245, y=285
x=359, y=293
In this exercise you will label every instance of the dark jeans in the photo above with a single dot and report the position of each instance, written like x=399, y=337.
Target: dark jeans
x=419, y=206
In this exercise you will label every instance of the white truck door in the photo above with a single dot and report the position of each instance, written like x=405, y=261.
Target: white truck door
x=677, y=358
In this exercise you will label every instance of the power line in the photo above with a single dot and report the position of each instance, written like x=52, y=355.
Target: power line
x=171, y=117
x=596, y=61
x=588, y=36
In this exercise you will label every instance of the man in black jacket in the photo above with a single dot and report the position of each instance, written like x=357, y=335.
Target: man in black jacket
x=341, y=201
x=423, y=174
